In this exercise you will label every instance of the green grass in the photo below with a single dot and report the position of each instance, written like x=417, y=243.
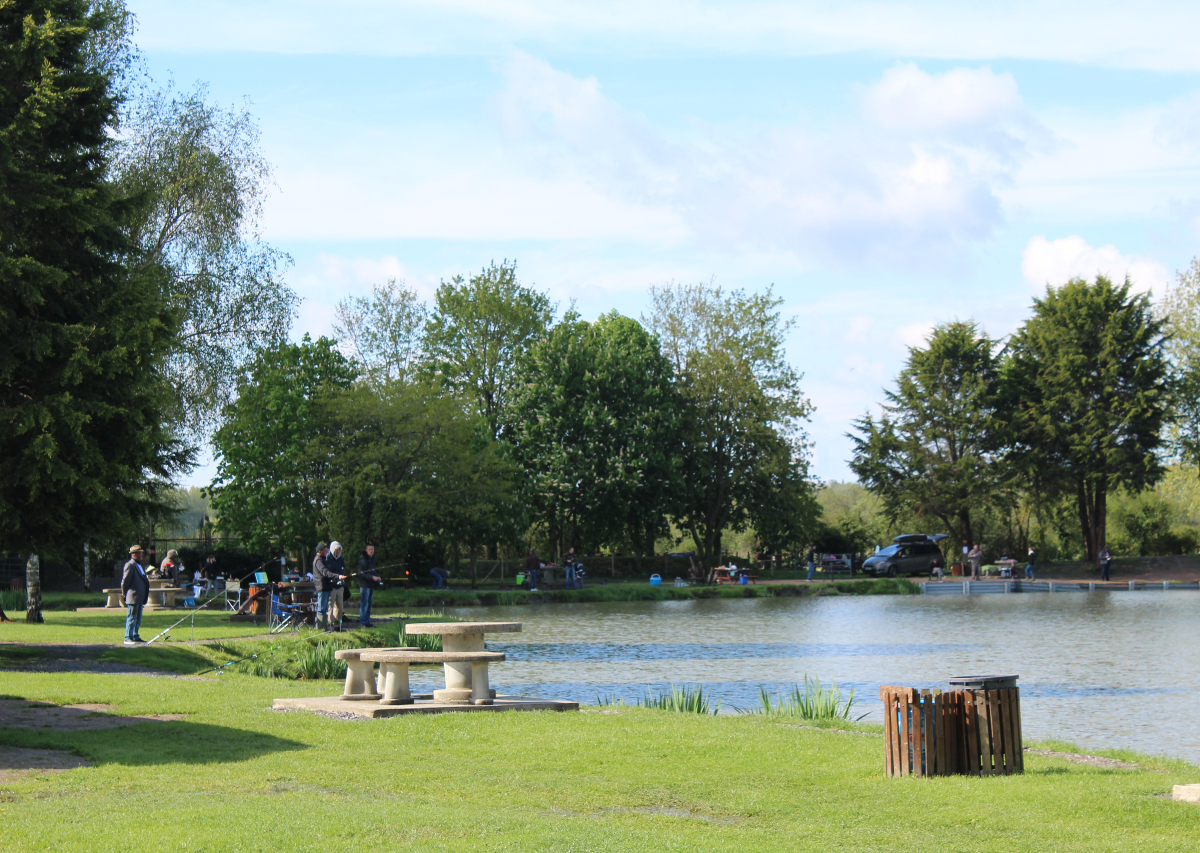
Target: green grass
x=234, y=776
x=641, y=591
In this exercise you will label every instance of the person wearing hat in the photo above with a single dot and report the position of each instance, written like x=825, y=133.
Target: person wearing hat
x=135, y=589
x=337, y=595
x=324, y=579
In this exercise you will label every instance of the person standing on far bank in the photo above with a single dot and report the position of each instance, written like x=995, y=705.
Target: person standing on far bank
x=532, y=564
x=367, y=579
x=975, y=558
x=812, y=562
x=135, y=587
x=1029, y=565
x=1105, y=563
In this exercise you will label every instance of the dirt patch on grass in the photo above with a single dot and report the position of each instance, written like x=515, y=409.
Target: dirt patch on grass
x=18, y=763
x=23, y=714
x=1091, y=760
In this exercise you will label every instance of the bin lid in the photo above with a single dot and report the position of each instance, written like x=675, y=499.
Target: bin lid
x=983, y=682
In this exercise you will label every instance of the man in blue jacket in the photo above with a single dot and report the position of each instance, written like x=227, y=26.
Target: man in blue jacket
x=135, y=588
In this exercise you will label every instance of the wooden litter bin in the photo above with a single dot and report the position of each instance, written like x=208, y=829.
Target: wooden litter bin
x=973, y=731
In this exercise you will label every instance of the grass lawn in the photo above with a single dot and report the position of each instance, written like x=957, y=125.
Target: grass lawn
x=235, y=776
x=65, y=626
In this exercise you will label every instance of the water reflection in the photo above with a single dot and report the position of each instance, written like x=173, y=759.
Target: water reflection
x=1105, y=669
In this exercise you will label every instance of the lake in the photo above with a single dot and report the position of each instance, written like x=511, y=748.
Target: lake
x=1103, y=669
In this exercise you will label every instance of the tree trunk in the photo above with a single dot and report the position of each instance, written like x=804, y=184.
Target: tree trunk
x=87, y=569
x=33, y=589
x=474, y=567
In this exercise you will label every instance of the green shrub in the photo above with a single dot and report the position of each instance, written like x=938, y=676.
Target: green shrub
x=687, y=699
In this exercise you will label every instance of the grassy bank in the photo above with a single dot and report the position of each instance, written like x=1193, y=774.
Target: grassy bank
x=421, y=597
x=234, y=776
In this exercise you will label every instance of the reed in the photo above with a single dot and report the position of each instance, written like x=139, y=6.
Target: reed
x=815, y=701
x=688, y=699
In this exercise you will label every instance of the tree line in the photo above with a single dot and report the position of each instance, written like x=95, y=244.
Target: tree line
x=1093, y=396
x=487, y=422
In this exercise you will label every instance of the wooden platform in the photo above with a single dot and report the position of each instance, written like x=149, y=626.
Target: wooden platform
x=373, y=710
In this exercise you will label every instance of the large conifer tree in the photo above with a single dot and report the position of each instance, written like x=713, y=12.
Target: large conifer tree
x=84, y=414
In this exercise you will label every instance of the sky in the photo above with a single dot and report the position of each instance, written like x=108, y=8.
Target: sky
x=883, y=167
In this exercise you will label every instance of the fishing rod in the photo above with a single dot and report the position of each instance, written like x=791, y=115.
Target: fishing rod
x=192, y=613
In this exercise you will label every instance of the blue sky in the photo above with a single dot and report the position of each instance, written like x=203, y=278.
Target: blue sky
x=885, y=166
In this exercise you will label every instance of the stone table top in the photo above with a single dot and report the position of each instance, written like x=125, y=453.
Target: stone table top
x=378, y=656
x=444, y=628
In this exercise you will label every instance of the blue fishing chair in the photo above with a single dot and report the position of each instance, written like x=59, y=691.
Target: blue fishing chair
x=284, y=616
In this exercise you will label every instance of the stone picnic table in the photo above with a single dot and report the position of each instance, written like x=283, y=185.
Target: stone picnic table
x=463, y=656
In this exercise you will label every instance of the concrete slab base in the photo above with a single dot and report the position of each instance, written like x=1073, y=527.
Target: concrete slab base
x=373, y=710
x=146, y=608
x=1186, y=793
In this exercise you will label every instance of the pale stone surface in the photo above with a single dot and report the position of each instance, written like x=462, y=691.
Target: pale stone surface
x=451, y=628
x=372, y=710
x=1186, y=793
x=383, y=656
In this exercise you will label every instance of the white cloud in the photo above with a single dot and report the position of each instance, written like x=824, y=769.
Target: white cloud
x=1054, y=262
x=904, y=192
x=915, y=334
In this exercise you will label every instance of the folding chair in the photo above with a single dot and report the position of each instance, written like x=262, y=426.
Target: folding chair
x=233, y=588
x=284, y=616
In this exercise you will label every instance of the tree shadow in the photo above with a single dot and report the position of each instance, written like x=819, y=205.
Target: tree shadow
x=141, y=742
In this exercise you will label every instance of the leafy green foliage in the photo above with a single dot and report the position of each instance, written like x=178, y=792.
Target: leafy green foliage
x=271, y=482
x=929, y=455
x=594, y=422
x=384, y=331
x=201, y=181
x=686, y=699
x=1085, y=396
x=742, y=451
x=87, y=423
x=479, y=332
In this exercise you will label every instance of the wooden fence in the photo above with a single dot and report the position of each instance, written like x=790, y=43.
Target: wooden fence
x=958, y=732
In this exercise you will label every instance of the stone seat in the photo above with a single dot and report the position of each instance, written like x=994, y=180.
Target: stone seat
x=454, y=628
x=393, y=675
x=360, y=674
x=164, y=595
x=114, y=597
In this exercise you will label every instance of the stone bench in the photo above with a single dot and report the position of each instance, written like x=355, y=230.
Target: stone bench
x=360, y=674
x=393, y=673
x=164, y=595
x=114, y=597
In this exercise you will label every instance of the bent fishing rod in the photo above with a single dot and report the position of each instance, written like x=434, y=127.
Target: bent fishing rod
x=198, y=607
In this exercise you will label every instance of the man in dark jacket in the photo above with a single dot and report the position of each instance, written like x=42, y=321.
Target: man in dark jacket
x=367, y=579
x=532, y=564
x=135, y=588
x=325, y=578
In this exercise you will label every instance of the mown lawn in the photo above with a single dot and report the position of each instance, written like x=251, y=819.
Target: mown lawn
x=235, y=776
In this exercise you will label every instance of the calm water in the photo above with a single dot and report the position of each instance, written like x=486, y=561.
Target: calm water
x=1118, y=670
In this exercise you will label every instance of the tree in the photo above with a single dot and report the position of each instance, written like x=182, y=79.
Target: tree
x=383, y=332
x=929, y=455
x=1085, y=395
x=741, y=405
x=201, y=180
x=478, y=333
x=594, y=421
x=1181, y=313
x=87, y=437
x=407, y=460
x=274, y=449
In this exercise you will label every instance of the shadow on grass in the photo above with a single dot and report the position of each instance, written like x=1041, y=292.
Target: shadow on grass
x=88, y=658
x=155, y=743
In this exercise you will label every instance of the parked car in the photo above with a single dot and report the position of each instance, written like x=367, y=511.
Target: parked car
x=909, y=554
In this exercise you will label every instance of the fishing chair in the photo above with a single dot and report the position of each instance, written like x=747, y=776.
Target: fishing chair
x=284, y=616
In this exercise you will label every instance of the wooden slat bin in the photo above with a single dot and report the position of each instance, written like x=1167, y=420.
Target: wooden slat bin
x=974, y=732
